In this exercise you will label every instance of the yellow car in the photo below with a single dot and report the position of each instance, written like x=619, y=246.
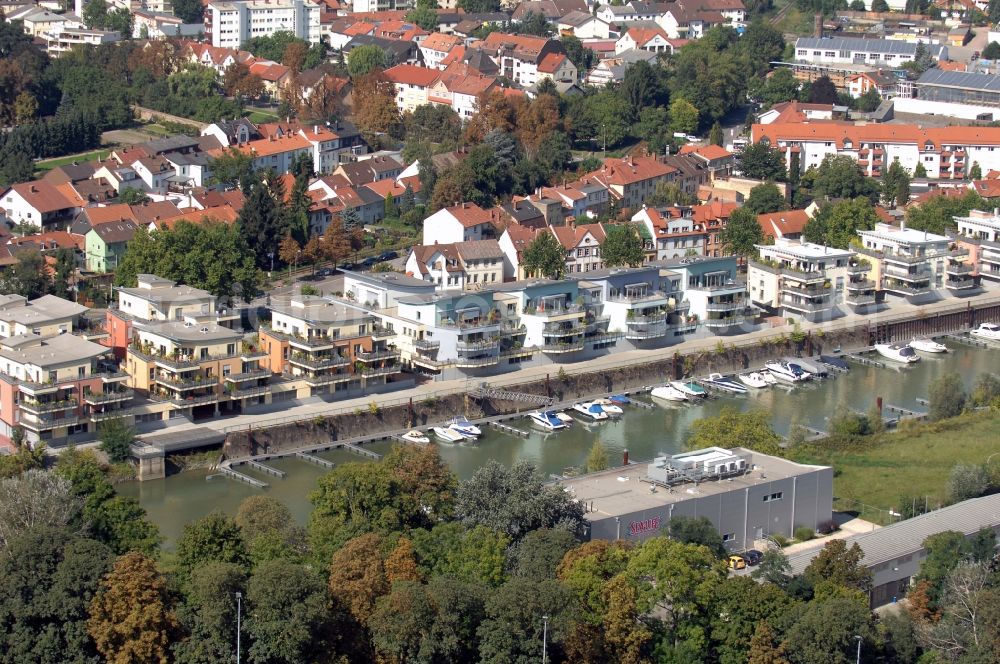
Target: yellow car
x=737, y=562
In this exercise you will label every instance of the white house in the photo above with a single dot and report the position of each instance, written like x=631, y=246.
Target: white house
x=583, y=25
x=39, y=203
x=653, y=40
x=458, y=266
x=235, y=21
x=462, y=222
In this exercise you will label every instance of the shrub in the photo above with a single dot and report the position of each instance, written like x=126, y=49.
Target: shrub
x=947, y=396
x=827, y=527
x=373, y=408
x=967, y=481
x=780, y=539
x=804, y=533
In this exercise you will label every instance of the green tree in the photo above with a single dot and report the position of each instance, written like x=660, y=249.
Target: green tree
x=968, y=481
x=839, y=176
x=208, y=614
x=696, y=530
x=622, y=246
x=233, y=167
x=880, y=6
x=36, y=498
x=937, y=214
x=539, y=553
x=212, y=538
x=261, y=220
x=823, y=91
x=27, y=276
x=581, y=56
x=869, y=101
x=781, y=86
x=764, y=646
x=515, y=501
x=545, y=256
x=992, y=50
x=824, y=631
x=132, y=196
x=920, y=171
x=189, y=11
x=741, y=233
x=987, y=389
x=512, y=628
x=773, y=568
x=597, y=460
x=269, y=530
x=732, y=428
x=50, y=576
x=739, y=608
x=947, y=396
x=425, y=17
x=761, y=162
x=976, y=172
x=840, y=565
x=365, y=59
x=116, y=439
x=357, y=576
x=896, y=185
x=683, y=116
x=288, y=617
x=765, y=198
x=715, y=136
x=837, y=224
x=131, y=618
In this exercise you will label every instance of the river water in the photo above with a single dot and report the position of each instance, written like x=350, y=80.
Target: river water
x=181, y=498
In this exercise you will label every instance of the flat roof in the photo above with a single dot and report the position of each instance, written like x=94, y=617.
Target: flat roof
x=163, y=294
x=46, y=307
x=389, y=279
x=51, y=351
x=315, y=309
x=906, y=235
x=619, y=491
x=181, y=331
x=906, y=537
x=963, y=80
x=804, y=249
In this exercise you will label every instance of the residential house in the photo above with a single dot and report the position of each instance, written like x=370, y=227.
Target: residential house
x=412, y=83
x=462, y=222
x=458, y=266
x=436, y=46
x=668, y=233
x=652, y=40
x=803, y=279
x=44, y=316
x=106, y=245
x=979, y=233
x=526, y=60
x=712, y=217
x=40, y=203
x=612, y=69
x=582, y=243
x=230, y=23
x=369, y=170
x=788, y=224
x=641, y=304
x=719, y=161
x=630, y=179
x=716, y=298
x=583, y=25
x=883, y=82
x=889, y=53
x=911, y=263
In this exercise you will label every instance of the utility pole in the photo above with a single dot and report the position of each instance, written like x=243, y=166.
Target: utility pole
x=545, y=638
x=858, y=660
x=239, y=606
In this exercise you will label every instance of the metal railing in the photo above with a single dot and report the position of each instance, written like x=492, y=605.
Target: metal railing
x=376, y=355
x=866, y=284
x=426, y=344
x=39, y=407
x=248, y=375
x=736, y=305
x=860, y=300
x=319, y=362
x=109, y=397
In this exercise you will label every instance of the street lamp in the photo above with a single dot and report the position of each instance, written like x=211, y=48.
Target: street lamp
x=545, y=638
x=239, y=606
x=858, y=660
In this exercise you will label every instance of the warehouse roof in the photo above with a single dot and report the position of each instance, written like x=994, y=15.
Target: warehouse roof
x=960, y=79
x=870, y=45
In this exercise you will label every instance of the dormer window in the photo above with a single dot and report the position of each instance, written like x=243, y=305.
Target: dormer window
x=848, y=144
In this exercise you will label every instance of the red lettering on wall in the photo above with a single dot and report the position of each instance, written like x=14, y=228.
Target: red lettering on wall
x=644, y=526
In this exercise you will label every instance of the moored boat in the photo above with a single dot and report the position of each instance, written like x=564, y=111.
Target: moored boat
x=462, y=425
x=689, y=388
x=788, y=372
x=610, y=407
x=897, y=353
x=415, y=437
x=620, y=399
x=987, y=331
x=928, y=346
x=726, y=383
x=565, y=418
x=668, y=393
x=448, y=435
x=546, y=419
x=591, y=410
x=753, y=379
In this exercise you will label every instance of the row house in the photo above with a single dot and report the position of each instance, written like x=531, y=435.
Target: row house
x=330, y=347
x=579, y=199
x=57, y=389
x=979, y=232
x=333, y=195
x=458, y=266
x=436, y=46
x=643, y=304
x=582, y=244
x=712, y=217
x=668, y=233
x=717, y=299
x=552, y=10
x=803, y=279
x=369, y=170
x=630, y=180
x=945, y=152
x=458, y=86
x=911, y=263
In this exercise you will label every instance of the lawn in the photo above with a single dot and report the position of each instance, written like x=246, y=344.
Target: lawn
x=48, y=164
x=907, y=463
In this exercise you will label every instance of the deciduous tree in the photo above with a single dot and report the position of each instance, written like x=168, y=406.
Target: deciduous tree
x=696, y=530
x=375, y=109
x=761, y=162
x=214, y=537
x=765, y=198
x=837, y=224
x=732, y=428
x=840, y=565
x=545, y=256
x=622, y=246
x=513, y=626
x=839, y=176
x=116, y=439
x=947, y=396
x=539, y=553
x=742, y=233
x=896, y=185
x=35, y=498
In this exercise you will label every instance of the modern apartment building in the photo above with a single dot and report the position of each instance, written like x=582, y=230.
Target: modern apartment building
x=799, y=278
x=718, y=301
x=911, y=263
x=234, y=22
x=644, y=305
x=980, y=234
x=45, y=316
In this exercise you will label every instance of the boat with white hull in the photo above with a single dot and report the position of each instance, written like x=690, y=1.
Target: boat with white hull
x=415, y=437
x=463, y=426
x=897, y=353
x=726, y=384
x=591, y=410
x=928, y=346
x=787, y=372
x=448, y=435
x=610, y=407
x=546, y=419
x=689, y=388
x=565, y=418
x=987, y=331
x=755, y=379
x=668, y=393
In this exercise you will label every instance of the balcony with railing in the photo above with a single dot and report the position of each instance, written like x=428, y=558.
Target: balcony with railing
x=38, y=406
x=246, y=376
x=553, y=310
x=859, y=267
x=959, y=282
x=958, y=268
x=860, y=299
x=646, y=316
x=245, y=391
x=178, y=360
x=426, y=344
x=48, y=422
x=379, y=354
x=560, y=347
x=652, y=331
x=381, y=332
x=109, y=396
x=563, y=329
x=184, y=382
x=512, y=327
x=726, y=320
x=477, y=362
x=806, y=305
x=374, y=372
x=112, y=414
x=478, y=345
x=860, y=285
x=722, y=306
x=318, y=361
x=916, y=274
x=641, y=296
x=39, y=387
x=112, y=376
x=811, y=289
x=907, y=288
x=328, y=379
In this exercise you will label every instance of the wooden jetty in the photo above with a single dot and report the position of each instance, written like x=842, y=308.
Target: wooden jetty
x=506, y=428
x=315, y=460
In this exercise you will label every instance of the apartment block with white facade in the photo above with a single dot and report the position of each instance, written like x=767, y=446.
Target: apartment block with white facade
x=856, y=51
x=799, y=278
x=983, y=230
x=912, y=263
x=237, y=21
x=717, y=300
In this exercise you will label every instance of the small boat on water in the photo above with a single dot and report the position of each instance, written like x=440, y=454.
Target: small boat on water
x=610, y=407
x=689, y=388
x=726, y=383
x=987, y=331
x=754, y=379
x=462, y=425
x=415, y=437
x=897, y=353
x=592, y=410
x=668, y=393
x=565, y=418
x=835, y=362
x=620, y=399
x=928, y=346
x=788, y=372
x=546, y=419
x=814, y=370
x=448, y=435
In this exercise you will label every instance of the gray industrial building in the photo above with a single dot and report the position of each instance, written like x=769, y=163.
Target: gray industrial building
x=894, y=553
x=958, y=87
x=747, y=495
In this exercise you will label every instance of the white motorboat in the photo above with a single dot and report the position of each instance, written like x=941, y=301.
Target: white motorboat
x=462, y=425
x=788, y=372
x=768, y=377
x=726, y=384
x=668, y=393
x=546, y=419
x=928, y=346
x=897, y=353
x=610, y=407
x=814, y=370
x=690, y=388
x=987, y=331
x=415, y=437
x=592, y=410
x=448, y=435
x=565, y=418
x=754, y=379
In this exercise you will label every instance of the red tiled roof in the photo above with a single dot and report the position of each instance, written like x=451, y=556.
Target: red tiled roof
x=551, y=62
x=46, y=197
x=470, y=214
x=776, y=224
x=642, y=36
x=437, y=41
x=412, y=75
x=629, y=170
x=395, y=187
x=571, y=236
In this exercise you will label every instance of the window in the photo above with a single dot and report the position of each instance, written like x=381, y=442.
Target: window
x=728, y=537
x=773, y=497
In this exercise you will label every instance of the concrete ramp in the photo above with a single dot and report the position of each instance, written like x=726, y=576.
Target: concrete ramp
x=182, y=438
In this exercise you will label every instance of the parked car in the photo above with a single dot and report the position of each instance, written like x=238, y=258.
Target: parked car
x=325, y=272
x=736, y=562
x=753, y=557
x=388, y=255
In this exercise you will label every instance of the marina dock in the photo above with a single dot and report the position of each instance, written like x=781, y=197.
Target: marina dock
x=968, y=340
x=315, y=460
x=506, y=428
x=866, y=361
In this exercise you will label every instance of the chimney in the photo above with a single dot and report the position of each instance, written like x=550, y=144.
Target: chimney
x=818, y=26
